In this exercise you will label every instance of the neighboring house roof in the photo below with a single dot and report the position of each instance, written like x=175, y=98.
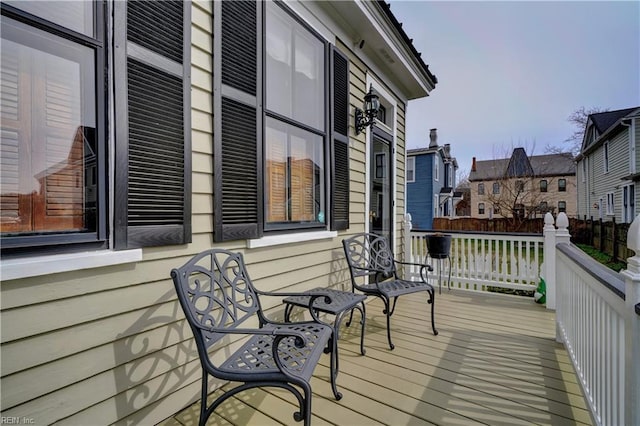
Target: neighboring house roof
x=605, y=124
x=604, y=120
x=519, y=164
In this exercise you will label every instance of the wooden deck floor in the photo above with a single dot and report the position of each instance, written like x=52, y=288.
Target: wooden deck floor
x=495, y=362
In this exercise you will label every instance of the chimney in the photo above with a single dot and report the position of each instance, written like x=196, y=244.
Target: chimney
x=433, y=136
x=473, y=164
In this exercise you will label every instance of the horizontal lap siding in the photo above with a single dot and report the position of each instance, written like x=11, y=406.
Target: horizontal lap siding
x=111, y=343
x=107, y=344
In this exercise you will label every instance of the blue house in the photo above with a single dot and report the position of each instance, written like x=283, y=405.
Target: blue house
x=431, y=179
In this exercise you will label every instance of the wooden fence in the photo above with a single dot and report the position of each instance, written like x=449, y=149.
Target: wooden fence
x=608, y=237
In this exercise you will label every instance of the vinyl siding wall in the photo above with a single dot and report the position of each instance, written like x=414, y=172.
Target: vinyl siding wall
x=602, y=183
x=110, y=345
x=420, y=193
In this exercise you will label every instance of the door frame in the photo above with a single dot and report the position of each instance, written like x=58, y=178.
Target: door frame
x=388, y=133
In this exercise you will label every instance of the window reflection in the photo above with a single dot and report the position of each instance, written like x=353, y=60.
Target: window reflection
x=48, y=133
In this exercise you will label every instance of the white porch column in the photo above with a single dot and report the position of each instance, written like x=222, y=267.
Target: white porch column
x=408, y=255
x=549, y=266
x=632, y=328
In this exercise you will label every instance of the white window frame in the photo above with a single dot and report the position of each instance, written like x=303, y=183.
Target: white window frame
x=436, y=206
x=436, y=168
x=584, y=170
x=628, y=203
x=411, y=169
x=610, y=204
x=450, y=183
x=605, y=148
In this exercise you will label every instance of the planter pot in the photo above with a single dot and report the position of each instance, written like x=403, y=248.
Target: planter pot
x=438, y=246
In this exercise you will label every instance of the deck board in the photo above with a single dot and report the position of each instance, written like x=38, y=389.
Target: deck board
x=495, y=361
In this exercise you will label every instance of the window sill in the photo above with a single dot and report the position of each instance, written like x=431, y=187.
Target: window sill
x=43, y=265
x=274, y=240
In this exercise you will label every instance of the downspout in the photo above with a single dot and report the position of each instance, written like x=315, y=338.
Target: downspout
x=630, y=124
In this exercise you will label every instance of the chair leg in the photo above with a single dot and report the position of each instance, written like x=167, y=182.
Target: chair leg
x=363, y=320
x=334, y=367
x=393, y=308
x=388, y=311
x=432, y=302
x=203, y=399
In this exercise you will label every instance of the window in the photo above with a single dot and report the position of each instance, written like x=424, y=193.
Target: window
x=584, y=170
x=49, y=147
x=480, y=208
x=543, y=207
x=294, y=149
x=519, y=186
x=381, y=165
x=605, y=148
x=519, y=211
x=411, y=169
x=562, y=206
x=481, y=189
x=436, y=168
x=496, y=187
x=282, y=110
x=562, y=185
x=55, y=136
x=610, y=204
x=628, y=199
x=543, y=185
x=496, y=209
x=450, y=175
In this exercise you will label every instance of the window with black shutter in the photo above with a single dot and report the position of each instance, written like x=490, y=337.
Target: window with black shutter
x=52, y=147
x=281, y=156
x=153, y=149
x=57, y=77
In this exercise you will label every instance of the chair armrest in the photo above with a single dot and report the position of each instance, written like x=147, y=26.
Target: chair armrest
x=312, y=297
x=423, y=269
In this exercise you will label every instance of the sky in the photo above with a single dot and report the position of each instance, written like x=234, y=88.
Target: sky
x=510, y=73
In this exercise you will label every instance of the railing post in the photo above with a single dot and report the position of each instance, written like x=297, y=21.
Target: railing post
x=632, y=328
x=408, y=254
x=549, y=253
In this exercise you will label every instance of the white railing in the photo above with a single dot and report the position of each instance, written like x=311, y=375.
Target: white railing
x=479, y=261
x=597, y=321
x=597, y=310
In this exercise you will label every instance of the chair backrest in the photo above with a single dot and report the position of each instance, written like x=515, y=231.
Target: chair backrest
x=368, y=254
x=215, y=291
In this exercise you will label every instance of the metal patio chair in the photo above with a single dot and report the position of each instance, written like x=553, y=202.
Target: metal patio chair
x=219, y=300
x=369, y=256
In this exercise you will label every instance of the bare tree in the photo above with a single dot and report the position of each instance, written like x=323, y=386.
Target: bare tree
x=522, y=186
x=573, y=143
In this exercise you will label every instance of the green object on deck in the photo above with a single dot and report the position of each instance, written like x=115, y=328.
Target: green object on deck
x=540, y=296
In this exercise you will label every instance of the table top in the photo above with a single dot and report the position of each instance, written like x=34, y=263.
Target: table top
x=340, y=300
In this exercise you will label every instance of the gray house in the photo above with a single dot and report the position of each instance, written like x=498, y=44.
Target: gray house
x=607, y=166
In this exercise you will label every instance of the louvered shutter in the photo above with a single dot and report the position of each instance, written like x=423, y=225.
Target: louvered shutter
x=153, y=128
x=340, y=142
x=237, y=121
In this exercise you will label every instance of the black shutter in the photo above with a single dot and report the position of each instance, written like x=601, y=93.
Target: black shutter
x=237, y=121
x=340, y=142
x=153, y=127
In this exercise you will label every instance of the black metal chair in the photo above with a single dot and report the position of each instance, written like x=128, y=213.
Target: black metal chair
x=369, y=255
x=218, y=299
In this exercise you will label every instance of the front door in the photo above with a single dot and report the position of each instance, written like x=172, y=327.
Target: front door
x=380, y=184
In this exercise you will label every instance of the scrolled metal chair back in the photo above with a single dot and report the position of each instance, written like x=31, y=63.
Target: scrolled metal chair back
x=215, y=292
x=368, y=254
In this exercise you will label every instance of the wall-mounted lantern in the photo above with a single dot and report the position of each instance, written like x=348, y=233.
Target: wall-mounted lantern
x=367, y=117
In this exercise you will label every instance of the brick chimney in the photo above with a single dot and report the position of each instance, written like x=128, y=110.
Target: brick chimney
x=473, y=164
x=433, y=138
